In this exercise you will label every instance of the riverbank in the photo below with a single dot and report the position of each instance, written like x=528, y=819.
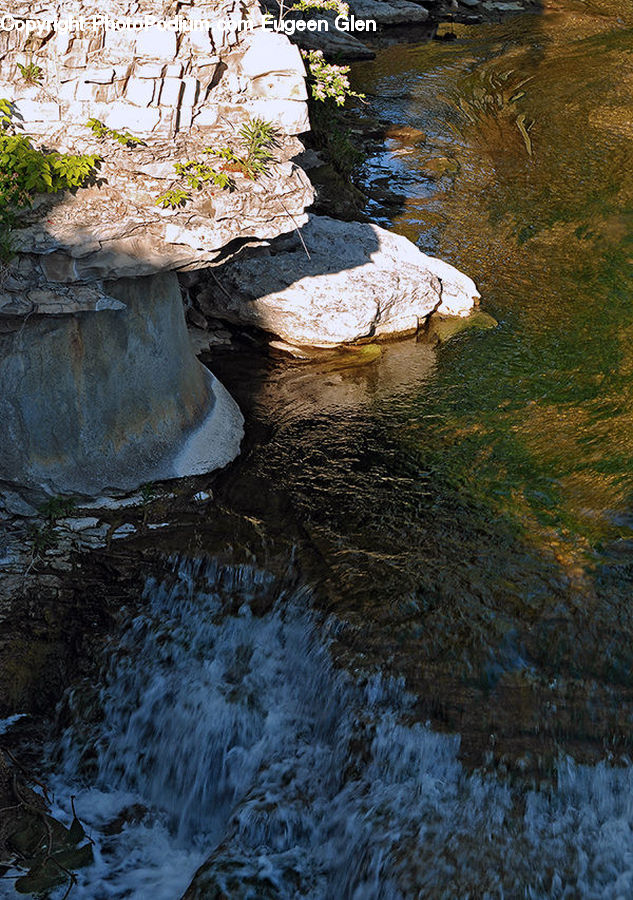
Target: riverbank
x=462, y=518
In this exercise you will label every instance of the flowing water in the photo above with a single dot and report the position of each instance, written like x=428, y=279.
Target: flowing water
x=463, y=516
x=236, y=733
x=510, y=151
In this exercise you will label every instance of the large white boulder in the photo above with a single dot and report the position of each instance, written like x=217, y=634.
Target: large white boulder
x=359, y=281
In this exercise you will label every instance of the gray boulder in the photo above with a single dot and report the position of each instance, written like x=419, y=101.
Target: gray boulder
x=359, y=281
x=397, y=12
x=104, y=400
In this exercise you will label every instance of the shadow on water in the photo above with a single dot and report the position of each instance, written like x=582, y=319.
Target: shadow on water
x=437, y=500
x=463, y=515
x=474, y=523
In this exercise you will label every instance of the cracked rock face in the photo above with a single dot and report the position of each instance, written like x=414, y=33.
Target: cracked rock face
x=116, y=230
x=181, y=94
x=152, y=80
x=101, y=391
x=359, y=281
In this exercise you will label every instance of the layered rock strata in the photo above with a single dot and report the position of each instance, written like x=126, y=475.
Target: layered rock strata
x=155, y=80
x=179, y=93
x=100, y=389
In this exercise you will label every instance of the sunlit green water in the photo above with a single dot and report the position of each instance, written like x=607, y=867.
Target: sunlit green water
x=538, y=115
x=468, y=513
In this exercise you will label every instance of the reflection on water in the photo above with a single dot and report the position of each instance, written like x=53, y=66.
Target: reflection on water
x=537, y=205
x=464, y=515
x=475, y=525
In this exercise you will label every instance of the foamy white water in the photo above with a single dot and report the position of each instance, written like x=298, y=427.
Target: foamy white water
x=239, y=743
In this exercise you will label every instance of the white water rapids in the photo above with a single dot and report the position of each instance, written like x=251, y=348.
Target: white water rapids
x=240, y=744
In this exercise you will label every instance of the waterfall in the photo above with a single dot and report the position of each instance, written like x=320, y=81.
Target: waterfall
x=227, y=742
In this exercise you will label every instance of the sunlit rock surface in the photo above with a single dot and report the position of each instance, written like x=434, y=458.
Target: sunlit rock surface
x=340, y=282
x=180, y=93
x=100, y=387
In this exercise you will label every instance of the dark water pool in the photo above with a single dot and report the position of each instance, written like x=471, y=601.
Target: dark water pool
x=463, y=517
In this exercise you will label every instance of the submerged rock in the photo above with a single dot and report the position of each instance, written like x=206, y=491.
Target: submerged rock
x=440, y=166
x=443, y=328
x=340, y=282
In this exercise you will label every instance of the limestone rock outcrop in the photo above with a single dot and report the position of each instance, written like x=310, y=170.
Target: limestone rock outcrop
x=103, y=401
x=156, y=80
x=180, y=93
x=339, y=282
x=100, y=389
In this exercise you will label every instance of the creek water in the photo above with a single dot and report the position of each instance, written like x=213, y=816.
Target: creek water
x=436, y=699
x=227, y=736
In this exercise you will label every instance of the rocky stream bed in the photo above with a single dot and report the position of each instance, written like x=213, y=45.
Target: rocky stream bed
x=386, y=651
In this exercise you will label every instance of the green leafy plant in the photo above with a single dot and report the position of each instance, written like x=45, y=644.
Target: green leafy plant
x=121, y=137
x=310, y=6
x=44, y=537
x=198, y=175
x=233, y=161
x=6, y=114
x=330, y=135
x=25, y=171
x=149, y=492
x=330, y=90
x=320, y=6
x=6, y=250
x=257, y=140
x=174, y=198
x=57, y=507
x=31, y=73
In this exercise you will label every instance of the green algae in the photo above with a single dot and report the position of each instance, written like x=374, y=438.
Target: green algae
x=533, y=417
